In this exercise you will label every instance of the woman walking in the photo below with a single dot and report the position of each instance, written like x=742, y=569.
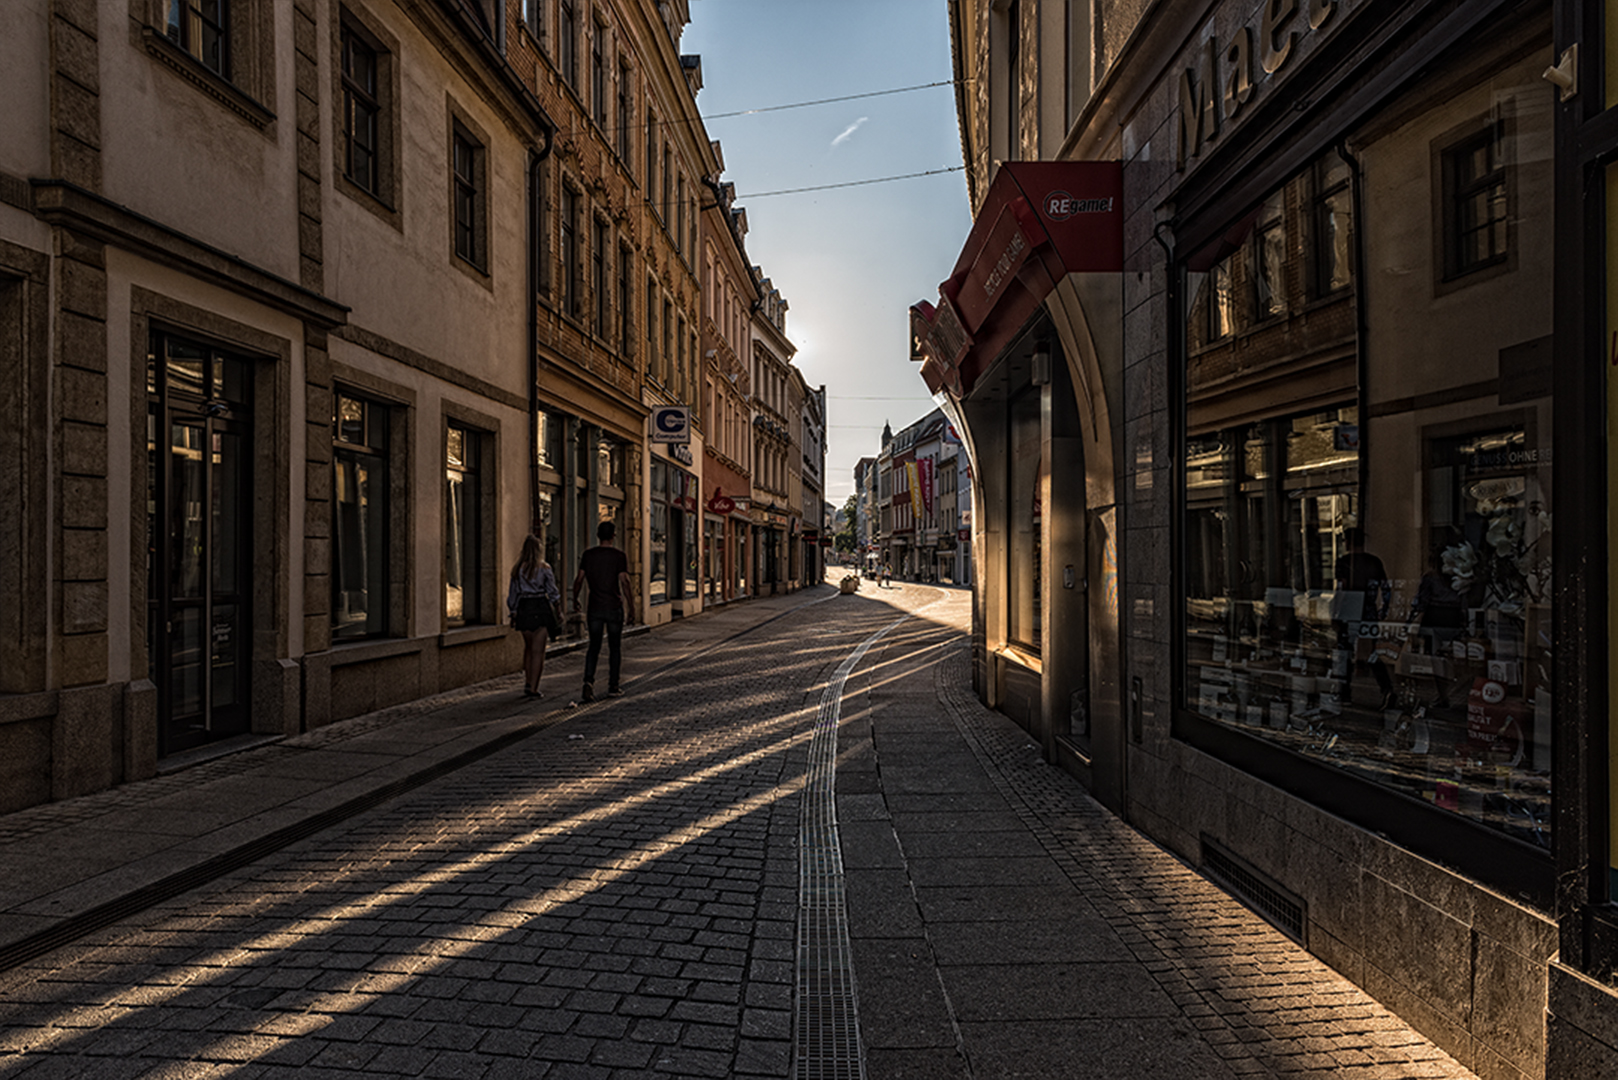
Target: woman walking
x=532, y=599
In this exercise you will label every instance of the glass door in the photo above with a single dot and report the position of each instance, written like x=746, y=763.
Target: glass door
x=199, y=542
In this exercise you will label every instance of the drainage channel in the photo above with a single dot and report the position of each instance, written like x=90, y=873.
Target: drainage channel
x=826, y=1037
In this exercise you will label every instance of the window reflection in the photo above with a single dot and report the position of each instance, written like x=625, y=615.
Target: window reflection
x=359, y=519
x=1366, y=559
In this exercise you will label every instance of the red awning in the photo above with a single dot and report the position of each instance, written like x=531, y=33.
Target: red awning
x=1041, y=221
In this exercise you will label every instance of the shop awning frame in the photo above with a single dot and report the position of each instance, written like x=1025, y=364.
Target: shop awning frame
x=1040, y=221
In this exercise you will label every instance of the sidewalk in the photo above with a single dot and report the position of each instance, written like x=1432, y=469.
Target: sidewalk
x=1004, y=924
x=70, y=867
x=655, y=888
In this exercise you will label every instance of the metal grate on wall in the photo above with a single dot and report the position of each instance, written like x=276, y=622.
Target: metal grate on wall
x=1280, y=907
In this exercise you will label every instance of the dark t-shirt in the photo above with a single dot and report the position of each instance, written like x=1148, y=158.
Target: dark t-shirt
x=1362, y=572
x=601, y=566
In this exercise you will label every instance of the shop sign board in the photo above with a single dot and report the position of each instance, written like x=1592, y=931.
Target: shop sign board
x=1224, y=76
x=1002, y=254
x=671, y=424
x=721, y=503
x=1040, y=221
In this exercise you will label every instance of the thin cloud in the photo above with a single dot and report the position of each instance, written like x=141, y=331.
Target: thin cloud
x=849, y=131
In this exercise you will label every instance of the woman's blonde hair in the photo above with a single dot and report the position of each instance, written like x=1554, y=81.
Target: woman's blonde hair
x=531, y=558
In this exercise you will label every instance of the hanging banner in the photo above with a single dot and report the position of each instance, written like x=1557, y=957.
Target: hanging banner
x=924, y=472
x=915, y=489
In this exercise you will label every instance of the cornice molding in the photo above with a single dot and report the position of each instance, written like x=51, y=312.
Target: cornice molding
x=476, y=60
x=58, y=202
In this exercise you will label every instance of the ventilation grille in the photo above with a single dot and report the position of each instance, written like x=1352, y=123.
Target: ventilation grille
x=1281, y=908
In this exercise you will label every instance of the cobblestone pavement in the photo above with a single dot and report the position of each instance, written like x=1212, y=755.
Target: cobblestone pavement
x=618, y=895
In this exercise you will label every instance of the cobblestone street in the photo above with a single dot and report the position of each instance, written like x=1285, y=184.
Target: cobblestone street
x=640, y=888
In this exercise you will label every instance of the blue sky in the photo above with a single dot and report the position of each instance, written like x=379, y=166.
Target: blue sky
x=850, y=261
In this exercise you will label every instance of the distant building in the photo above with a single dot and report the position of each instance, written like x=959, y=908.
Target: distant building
x=776, y=457
x=815, y=534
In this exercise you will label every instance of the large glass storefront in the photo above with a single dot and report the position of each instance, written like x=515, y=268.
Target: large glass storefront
x=1366, y=515
x=713, y=576
x=199, y=539
x=675, y=547
x=583, y=479
x=1024, y=527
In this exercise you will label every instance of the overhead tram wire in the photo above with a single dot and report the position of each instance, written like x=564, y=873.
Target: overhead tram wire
x=833, y=100
x=850, y=183
x=667, y=121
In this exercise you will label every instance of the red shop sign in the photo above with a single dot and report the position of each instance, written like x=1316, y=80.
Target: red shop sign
x=721, y=503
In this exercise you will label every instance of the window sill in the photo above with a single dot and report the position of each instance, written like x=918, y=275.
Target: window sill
x=360, y=652
x=470, y=268
x=208, y=81
x=372, y=201
x=1021, y=657
x=470, y=635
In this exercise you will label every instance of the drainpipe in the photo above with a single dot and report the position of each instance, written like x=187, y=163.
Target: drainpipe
x=535, y=158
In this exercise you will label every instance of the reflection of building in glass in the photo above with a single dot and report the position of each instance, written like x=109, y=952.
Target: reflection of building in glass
x=1360, y=355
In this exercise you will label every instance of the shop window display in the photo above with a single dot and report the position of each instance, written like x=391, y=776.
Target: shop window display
x=1023, y=552
x=658, y=579
x=1366, y=518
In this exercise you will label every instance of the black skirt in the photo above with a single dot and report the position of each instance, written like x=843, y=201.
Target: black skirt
x=535, y=613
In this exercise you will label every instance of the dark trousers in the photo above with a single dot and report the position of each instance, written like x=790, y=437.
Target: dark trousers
x=612, y=622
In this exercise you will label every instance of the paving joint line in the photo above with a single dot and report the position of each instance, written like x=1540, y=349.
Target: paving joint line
x=826, y=1036
x=926, y=927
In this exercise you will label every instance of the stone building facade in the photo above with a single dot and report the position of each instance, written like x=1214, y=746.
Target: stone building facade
x=304, y=328
x=1276, y=350
x=774, y=509
x=729, y=292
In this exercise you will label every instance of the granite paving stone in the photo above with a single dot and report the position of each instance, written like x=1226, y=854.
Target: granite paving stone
x=615, y=892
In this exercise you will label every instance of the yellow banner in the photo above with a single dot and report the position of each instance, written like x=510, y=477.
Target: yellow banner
x=915, y=489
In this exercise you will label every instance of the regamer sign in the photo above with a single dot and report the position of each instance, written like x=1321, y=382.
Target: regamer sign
x=1059, y=206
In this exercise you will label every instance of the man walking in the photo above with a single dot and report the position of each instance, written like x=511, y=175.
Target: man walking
x=606, y=570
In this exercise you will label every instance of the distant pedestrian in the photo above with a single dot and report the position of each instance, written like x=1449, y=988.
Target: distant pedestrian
x=532, y=599
x=887, y=575
x=606, y=570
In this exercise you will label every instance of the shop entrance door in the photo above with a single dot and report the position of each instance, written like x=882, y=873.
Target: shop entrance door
x=199, y=541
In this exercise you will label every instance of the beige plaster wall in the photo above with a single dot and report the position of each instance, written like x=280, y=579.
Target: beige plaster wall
x=174, y=153
x=428, y=399
x=404, y=283
x=25, y=88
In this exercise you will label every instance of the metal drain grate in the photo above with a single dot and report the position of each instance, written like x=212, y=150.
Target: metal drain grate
x=1281, y=908
x=826, y=1038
